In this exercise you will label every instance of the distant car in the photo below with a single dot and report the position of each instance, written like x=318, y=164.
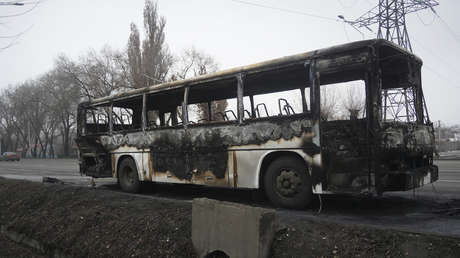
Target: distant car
x=10, y=156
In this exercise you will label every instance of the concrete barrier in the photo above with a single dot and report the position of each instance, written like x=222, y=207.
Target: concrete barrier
x=235, y=229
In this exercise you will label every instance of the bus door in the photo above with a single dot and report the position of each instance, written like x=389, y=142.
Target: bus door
x=344, y=137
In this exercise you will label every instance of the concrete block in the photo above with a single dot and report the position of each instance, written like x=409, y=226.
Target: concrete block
x=235, y=229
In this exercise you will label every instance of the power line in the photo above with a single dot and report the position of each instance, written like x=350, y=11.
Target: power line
x=423, y=22
x=452, y=32
x=11, y=36
x=346, y=33
x=434, y=54
x=348, y=6
x=19, y=14
x=451, y=84
x=286, y=10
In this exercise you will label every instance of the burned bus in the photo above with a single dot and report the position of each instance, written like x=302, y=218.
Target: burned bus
x=287, y=149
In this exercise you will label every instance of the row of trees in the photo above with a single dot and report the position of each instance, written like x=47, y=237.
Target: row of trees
x=37, y=114
x=38, y=117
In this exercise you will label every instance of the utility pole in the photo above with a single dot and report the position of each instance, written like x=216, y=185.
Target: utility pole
x=390, y=18
x=439, y=135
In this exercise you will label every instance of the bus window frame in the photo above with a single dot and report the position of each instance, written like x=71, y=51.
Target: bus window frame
x=240, y=82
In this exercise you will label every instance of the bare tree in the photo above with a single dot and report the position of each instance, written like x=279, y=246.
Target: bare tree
x=29, y=115
x=9, y=140
x=34, y=112
x=135, y=59
x=354, y=102
x=65, y=97
x=97, y=74
x=193, y=63
x=156, y=58
x=329, y=104
x=15, y=118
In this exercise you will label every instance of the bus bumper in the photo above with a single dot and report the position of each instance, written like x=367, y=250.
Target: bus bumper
x=410, y=179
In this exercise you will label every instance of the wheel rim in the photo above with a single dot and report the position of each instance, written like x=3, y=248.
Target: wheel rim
x=288, y=183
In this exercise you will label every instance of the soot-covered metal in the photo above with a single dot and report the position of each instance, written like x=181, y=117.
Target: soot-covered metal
x=357, y=155
x=198, y=149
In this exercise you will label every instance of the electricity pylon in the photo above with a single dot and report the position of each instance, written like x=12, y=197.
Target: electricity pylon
x=390, y=16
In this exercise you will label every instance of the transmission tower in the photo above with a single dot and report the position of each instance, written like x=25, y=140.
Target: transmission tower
x=390, y=16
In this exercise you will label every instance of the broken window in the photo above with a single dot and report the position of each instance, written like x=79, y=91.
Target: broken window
x=285, y=103
x=164, y=109
x=173, y=117
x=343, y=101
x=97, y=120
x=153, y=119
x=127, y=114
x=198, y=113
x=213, y=102
x=248, y=112
x=122, y=118
x=225, y=112
x=398, y=104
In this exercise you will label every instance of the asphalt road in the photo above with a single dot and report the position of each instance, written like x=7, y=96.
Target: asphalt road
x=433, y=208
x=66, y=170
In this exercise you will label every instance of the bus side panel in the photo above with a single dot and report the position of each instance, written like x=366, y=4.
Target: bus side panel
x=203, y=154
x=130, y=152
x=195, y=155
x=250, y=159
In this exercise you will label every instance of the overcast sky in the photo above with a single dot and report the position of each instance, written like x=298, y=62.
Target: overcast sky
x=233, y=33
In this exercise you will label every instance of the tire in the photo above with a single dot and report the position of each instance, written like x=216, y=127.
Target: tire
x=128, y=177
x=288, y=184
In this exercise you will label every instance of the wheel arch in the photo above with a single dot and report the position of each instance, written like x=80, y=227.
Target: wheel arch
x=268, y=158
x=123, y=157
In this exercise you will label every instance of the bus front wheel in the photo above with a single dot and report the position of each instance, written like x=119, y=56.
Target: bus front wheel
x=287, y=183
x=128, y=177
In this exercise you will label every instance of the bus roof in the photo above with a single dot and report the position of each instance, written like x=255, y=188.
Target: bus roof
x=257, y=67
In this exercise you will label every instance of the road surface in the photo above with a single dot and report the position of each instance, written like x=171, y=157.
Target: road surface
x=67, y=171
x=432, y=208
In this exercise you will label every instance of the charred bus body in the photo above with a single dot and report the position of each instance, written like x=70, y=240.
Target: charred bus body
x=148, y=134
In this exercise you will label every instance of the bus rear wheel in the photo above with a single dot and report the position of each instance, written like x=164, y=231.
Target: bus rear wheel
x=287, y=183
x=128, y=177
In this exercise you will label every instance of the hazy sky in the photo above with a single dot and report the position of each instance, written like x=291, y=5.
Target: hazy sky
x=233, y=33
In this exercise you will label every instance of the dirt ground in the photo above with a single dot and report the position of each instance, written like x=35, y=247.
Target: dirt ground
x=86, y=222
x=320, y=239
x=9, y=248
